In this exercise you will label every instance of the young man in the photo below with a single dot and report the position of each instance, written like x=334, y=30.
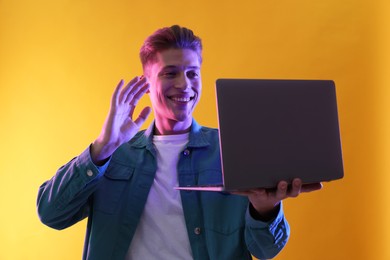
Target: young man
x=124, y=182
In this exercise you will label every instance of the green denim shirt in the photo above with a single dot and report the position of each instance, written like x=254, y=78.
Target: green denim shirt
x=219, y=224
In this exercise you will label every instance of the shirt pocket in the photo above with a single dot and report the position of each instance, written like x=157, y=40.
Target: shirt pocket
x=224, y=223
x=110, y=193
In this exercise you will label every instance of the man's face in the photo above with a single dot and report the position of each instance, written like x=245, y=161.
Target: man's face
x=175, y=87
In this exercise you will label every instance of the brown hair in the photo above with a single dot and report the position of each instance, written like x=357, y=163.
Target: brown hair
x=176, y=37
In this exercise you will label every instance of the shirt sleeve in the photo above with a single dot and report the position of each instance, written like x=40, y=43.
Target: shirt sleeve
x=266, y=239
x=65, y=198
x=101, y=169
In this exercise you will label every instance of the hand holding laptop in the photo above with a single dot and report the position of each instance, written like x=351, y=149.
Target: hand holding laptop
x=265, y=201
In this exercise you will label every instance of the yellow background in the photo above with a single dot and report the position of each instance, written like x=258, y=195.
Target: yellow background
x=61, y=59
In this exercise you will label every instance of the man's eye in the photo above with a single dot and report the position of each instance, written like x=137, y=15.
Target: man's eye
x=170, y=74
x=192, y=74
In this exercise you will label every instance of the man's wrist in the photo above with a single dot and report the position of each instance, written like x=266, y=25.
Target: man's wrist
x=264, y=216
x=100, y=153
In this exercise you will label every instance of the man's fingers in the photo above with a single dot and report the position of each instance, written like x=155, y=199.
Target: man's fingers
x=121, y=96
x=132, y=89
x=295, y=188
x=117, y=90
x=140, y=92
x=143, y=116
x=281, y=192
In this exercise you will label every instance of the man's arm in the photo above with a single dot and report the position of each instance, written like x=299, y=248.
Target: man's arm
x=64, y=199
x=265, y=239
x=267, y=230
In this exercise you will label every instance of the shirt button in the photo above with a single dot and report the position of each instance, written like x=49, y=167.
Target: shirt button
x=186, y=152
x=197, y=231
x=89, y=173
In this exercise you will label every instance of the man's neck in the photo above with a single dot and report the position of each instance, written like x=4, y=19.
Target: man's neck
x=172, y=128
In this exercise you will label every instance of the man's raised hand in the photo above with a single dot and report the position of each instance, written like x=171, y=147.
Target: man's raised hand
x=120, y=126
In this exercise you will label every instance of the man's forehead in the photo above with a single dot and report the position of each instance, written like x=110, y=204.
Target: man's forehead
x=178, y=57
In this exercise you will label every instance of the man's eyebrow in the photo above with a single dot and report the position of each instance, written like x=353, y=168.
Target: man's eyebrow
x=193, y=67
x=175, y=67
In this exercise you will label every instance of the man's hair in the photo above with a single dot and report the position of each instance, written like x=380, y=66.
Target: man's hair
x=175, y=37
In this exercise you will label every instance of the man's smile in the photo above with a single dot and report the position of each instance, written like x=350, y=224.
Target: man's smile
x=180, y=98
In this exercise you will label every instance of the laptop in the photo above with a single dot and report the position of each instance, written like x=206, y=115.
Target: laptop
x=273, y=130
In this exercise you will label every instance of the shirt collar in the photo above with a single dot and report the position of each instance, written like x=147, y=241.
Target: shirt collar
x=196, y=138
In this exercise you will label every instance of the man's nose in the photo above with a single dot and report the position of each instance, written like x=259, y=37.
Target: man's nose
x=183, y=81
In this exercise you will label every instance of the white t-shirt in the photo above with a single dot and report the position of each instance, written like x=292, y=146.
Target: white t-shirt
x=161, y=232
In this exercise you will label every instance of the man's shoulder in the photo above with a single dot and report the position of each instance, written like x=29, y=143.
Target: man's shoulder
x=140, y=134
x=139, y=140
x=209, y=135
x=207, y=129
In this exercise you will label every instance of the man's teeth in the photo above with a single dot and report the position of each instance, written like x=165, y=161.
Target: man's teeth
x=181, y=99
